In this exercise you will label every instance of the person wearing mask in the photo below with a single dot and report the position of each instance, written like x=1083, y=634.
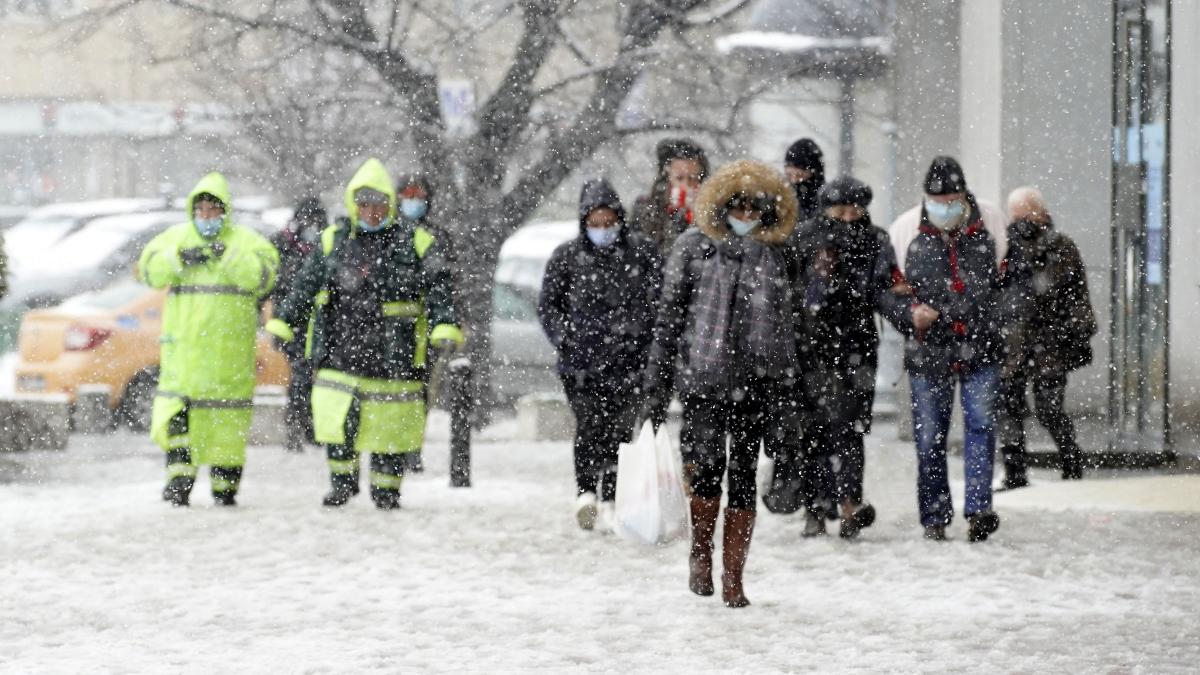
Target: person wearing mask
x=951, y=266
x=725, y=341
x=295, y=244
x=1048, y=334
x=374, y=300
x=667, y=211
x=794, y=454
x=217, y=273
x=597, y=309
x=848, y=272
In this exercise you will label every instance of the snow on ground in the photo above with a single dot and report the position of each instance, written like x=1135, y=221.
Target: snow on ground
x=98, y=575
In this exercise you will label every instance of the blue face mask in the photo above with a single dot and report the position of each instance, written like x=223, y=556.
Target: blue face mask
x=414, y=209
x=943, y=215
x=741, y=227
x=209, y=227
x=366, y=227
x=603, y=237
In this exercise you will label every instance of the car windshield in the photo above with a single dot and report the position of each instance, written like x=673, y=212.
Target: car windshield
x=114, y=296
x=91, y=246
x=26, y=242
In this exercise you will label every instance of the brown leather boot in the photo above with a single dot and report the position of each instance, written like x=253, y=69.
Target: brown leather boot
x=704, y=523
x=739, y=527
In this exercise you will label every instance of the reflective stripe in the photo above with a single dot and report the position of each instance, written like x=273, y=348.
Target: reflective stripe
x=343, y=467
x=390, y=397
x=366, y=385
x=386, y=480
x=222, y=484
x=177, y=470
x=208, y=403
x=336, y=386
x=209, y=290
x=403, y=308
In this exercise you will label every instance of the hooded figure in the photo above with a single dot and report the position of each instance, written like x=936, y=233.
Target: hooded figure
x=216, y=274
x=725, y=341
x=848, y=272
x=668, y=210
x=368, y=305
x=597, y=308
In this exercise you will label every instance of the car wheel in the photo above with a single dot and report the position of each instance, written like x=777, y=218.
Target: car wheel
x=138, y=400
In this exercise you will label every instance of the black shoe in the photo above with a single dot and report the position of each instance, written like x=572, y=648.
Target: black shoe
x=1072, y=466
x=178, y=490
x=862, y=517
x=225, y=498
x=782, y=498
x=935, y=533
x=385, y=499
x=343, y=488
x=814, y=524
x=983, y=524
x=1014, y=481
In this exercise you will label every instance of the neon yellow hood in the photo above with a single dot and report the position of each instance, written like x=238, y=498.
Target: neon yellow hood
x=215, y=185
x=374, y=175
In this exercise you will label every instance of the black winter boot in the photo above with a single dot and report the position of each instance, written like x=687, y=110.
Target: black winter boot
x=386, y=499
x=814, y=524
x=1072, y=463
x=343, y=487
x=178, y=490
x=228, y=479
x=983, y=524
x=863, y=516
x=1015, y=476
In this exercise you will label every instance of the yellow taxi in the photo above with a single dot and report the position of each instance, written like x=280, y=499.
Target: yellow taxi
x=109, y=338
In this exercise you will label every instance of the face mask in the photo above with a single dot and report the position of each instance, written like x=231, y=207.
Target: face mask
x=681, y=197
x=414, y=209
x=310, y=234
x=943, y=215
x=209, y=227
x=366, y=227
x=741, y=227
x=1027, y=229
x=603, y=237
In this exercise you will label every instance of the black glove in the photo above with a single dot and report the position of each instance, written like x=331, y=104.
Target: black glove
x=193, y=256
x=218, y=249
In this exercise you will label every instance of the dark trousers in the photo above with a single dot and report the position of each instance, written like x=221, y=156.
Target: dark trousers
x=832, y=467
x=1049, y=392
x=602, y=409
x=297, y=414
x=722, y=434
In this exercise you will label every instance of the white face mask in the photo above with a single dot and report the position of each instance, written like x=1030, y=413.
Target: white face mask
x=741, y=227
x=944, y=215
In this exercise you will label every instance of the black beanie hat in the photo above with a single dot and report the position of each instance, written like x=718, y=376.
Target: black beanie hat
x=845, y=190
x=945, y=176
x=680, y=148
x=805, y=154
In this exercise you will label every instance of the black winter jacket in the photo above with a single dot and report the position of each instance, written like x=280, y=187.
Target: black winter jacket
x=597, y=304
x=956, y=274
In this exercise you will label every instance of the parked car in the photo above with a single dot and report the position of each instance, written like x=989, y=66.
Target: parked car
x=522, y=358
x=109, y=337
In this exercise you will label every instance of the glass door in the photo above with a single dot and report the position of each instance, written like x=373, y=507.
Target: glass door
x=1139, y=382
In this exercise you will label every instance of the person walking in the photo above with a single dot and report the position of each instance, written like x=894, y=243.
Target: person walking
x=373, y=302
x=848, y=272
x=668, y=209
x=951, y=266
x=295, y=244
x=597, y=308
x=725, y=340
x=216, y=273
x=1048, y=331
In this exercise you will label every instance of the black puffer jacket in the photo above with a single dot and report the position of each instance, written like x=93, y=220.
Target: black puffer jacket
x=956, y=274
x=684, y=329
x=597, y=304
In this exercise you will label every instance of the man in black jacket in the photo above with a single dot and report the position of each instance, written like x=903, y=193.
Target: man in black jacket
x=848, y=272
x=597, y=308
x=951, y=266
x=666, y=212
x=1048, y=336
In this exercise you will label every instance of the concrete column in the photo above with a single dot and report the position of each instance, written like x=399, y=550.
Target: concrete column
x=982, y=96
x=1183, y=207
x=925, y=75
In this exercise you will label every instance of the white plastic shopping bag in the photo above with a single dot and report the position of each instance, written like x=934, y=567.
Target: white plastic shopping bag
x=651, y=505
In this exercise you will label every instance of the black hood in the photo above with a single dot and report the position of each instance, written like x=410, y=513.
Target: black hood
x=844, y=190
x=596, y=193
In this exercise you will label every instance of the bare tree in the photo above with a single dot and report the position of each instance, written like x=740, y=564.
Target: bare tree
x=556, y=76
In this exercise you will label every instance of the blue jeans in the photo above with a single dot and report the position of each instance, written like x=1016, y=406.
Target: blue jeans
x=932, y=400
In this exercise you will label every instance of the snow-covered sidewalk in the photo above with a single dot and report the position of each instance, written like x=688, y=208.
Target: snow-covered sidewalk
x=98, y=575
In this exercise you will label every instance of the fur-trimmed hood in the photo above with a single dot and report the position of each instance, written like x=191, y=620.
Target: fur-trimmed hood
x=752, y=179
